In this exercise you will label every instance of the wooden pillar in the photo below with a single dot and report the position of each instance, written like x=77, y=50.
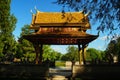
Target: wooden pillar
x=37, y=50
x=41, y=52
x=79, y=53
x=83, y=54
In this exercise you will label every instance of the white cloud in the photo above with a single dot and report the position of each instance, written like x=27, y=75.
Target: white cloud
x=110, y=37
x=102, y=47
x=104, y=38
x=57, y=48
x=99, y=47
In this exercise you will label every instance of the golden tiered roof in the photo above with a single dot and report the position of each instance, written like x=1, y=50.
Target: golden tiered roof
x=59, y=19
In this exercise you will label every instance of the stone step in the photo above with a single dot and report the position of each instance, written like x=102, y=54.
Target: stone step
x=58, y=77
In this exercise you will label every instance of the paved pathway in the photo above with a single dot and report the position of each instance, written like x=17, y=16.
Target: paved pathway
x=60, y=72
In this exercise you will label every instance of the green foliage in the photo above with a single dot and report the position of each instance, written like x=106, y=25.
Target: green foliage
x=111, y=47
x=114, y=48
x=94, y=54
x=59, y=63
x=7, y=26
x=47, y=52
x=25, y=49
x=103, y=11
x=71, y=55
x=50, y=54
x=26, y=30
x=91, y=54
x=19, y=52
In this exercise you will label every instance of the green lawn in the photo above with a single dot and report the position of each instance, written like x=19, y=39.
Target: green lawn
x=60, y=63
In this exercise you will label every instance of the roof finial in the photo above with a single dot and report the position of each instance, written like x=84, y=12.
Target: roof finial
x=31, y=12
x=36, y=9
x=82, y=11
x=98, y=33
x=87, y=13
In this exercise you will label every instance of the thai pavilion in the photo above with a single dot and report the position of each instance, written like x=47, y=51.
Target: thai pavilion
x=57, y=28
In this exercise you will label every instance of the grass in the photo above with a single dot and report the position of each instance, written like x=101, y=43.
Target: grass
x=60, y=63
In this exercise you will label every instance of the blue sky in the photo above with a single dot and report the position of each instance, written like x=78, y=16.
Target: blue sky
x=21, y=9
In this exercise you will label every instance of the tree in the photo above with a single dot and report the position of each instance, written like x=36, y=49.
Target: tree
x=71, y=55
x=25, y=30
x=7, y=26
x=106, y=12
x=113, y=49
x=25, y=49
x=94, y=54
x=50, y=54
